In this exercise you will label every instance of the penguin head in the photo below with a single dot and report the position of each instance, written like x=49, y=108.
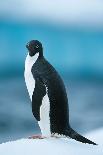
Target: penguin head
x=34, y=46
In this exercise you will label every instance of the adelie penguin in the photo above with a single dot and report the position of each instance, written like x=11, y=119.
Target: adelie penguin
x=48, y=95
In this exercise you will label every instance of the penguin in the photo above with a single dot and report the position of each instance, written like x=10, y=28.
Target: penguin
x=48, y=95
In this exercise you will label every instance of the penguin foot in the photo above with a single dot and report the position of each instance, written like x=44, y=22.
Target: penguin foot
x=36, y=137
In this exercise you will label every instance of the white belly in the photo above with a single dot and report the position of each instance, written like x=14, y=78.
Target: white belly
x=44, y=122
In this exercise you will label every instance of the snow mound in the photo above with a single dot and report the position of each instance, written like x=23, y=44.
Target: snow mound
x=49, y=146
x=96, y=136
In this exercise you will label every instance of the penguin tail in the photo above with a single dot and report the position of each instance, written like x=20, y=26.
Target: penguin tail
x=74, y=135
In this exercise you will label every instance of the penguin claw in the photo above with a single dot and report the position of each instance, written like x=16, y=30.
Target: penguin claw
x=36, y=137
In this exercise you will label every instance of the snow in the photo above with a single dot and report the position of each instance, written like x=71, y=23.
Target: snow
x=96, y=136
x=54, y=146
x=59, y=11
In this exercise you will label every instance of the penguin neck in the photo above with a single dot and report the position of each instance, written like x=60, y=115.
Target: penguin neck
x=31, y=60
x=40, y=54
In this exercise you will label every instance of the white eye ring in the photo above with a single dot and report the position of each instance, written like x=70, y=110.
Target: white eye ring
x=37, y=46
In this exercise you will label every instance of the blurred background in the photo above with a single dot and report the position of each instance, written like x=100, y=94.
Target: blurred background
x=72, y=37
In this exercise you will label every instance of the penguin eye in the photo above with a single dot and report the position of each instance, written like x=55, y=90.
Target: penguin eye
x=37, y=46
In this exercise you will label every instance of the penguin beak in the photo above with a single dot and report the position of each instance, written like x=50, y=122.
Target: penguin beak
x=27, y=46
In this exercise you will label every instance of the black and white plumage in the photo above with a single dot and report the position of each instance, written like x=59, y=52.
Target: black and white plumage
x=48, y=95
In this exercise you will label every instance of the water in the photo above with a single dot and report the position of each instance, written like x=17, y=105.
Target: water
x=69, y=49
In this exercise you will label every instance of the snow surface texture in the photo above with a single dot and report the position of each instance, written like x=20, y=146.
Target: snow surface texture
x=53, y=146
x=97, y=136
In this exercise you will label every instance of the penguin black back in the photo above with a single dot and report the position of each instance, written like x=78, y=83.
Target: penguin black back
x=59, y=113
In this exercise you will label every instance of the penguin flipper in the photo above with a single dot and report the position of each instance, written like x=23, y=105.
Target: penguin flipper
x=74, y=135
x=38, y=94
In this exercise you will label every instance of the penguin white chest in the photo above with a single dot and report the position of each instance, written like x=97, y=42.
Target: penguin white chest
x=29, y=79
x=44, y=122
